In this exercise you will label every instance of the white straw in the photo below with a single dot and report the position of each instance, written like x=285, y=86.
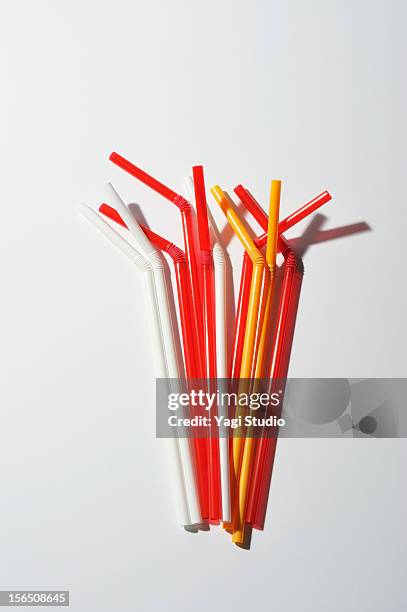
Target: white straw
x=158, y=345
x=219, y=262
x=152, y=255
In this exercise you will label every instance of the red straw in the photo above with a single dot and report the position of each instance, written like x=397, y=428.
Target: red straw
x=282, y=343
x=142, y=176
x=187, y=329
x=209, y=334
x=188, y=231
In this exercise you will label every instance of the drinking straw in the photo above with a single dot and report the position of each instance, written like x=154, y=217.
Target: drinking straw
x=152, y=255
x=282, y=343
x=208, y=294
x=219, y=261
x=250, y=443
x=208, y=307
x=143, y=264
x=219, y=265
x=188, y=231
x=178, y=258
x=248, y=356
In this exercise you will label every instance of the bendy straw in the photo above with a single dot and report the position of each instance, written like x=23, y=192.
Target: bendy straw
x=248, y=357
x=208, y=293
x=147, y=249
x=282, y=343
x=178, y=258
x=175, y=465
x=208, y=316
x=187, y=227
x=219, y=261
x=250, y=443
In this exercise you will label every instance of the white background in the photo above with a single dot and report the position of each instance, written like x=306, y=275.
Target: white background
x=309, y=92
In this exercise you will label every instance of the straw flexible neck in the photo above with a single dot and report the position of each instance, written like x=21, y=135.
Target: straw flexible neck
x=176, y=254
x=291, y=258
x=142, y=263
x=218, y=255
x=182, y=204
x=256, y=258
x=206, y=258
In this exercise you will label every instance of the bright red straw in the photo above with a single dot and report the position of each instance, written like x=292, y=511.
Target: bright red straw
x=188, y=231
x=282, y=343
x=209, y=334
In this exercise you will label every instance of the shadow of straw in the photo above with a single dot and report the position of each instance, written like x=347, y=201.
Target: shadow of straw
x=313, y=234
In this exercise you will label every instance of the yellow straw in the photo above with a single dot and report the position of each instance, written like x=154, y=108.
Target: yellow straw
x=248, y=355
x=249, y=445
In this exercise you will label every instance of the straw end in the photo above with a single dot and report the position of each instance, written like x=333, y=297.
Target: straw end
x=218, y=194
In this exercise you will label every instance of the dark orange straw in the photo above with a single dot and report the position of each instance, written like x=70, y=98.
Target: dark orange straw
x=209, y=335
x=187, y=329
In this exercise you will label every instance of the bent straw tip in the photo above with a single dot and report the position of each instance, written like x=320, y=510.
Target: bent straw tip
x=113, y=156
x=238, y=537
x=221, y=198
x=217, y=193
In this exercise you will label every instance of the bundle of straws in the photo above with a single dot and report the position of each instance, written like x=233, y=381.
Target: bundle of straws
x=218, y=479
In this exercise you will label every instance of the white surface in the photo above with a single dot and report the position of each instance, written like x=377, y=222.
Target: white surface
x=309, y=92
